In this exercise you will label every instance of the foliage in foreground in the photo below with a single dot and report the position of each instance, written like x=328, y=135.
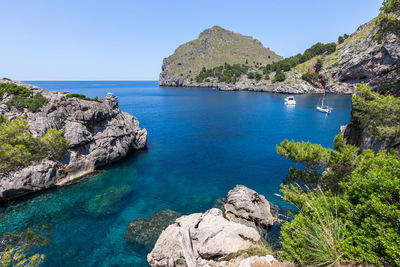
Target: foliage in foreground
x=355, y=216
x=379, y=115
x=16, y=248
x=18, y=148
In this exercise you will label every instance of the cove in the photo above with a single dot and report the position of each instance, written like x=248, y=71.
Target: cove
x=201, y=143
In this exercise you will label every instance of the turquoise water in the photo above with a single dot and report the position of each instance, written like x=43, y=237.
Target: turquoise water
x=201, y=143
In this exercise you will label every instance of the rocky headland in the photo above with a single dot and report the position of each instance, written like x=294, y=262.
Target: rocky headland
x=98, y=133
x=362, y=57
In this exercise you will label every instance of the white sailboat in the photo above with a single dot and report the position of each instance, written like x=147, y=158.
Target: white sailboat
x=323, y=107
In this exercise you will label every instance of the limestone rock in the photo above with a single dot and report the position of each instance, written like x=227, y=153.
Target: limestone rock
x=209, y=236
x=98, y=133
x=263, y=261
x=246, y=206
x=145, y=232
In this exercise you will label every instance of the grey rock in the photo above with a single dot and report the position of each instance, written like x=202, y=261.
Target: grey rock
x=212, y=237
x=145, y=232
x=246, y=206
x=99, y=133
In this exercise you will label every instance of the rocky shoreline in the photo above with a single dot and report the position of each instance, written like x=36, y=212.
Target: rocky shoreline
x=98, y=133
x=234, y=237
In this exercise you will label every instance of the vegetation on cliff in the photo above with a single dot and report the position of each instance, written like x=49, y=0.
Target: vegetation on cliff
x=388, y=20
x=83, y=97
x=231, y=74
x=377, y=114
x=18, y=148
x=22, y=97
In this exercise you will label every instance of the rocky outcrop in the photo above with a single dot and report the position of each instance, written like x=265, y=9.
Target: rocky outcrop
x=244, y=205
x=98, y=133
x=362, y=58
x=145, y=232
x=209, y=239
x=195, y=239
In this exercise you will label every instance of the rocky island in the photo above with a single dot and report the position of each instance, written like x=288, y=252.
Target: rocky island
x=337, y=67
x=96, y=130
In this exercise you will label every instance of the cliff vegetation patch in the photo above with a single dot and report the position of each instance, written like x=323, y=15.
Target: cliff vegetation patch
x=378, y=114
x=18, y=148
x=22, y=97
x=83, y=97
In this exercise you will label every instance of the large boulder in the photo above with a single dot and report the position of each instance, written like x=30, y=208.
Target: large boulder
x=146, y=231
x=244, y=205
x=200, y=237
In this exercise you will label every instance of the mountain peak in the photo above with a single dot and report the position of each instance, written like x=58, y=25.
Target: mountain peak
x=214, y=47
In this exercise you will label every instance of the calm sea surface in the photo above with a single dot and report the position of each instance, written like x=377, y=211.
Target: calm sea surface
x=201, y=143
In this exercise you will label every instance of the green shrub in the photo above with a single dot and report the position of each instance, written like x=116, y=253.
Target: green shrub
x=22, y=97
x=18, y=148
x=83, y=97
x=32, y=103
x=279, y=76
x=311, y=77
x=13, y=89
x=314, y=236
x=376, y=113
x=318, y=65
x=388, y=21
x=372, y=204
x=225, y=73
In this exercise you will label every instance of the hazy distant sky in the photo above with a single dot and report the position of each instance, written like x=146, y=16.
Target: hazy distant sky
x=127, y=40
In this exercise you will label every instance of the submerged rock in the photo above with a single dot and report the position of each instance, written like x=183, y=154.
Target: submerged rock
x=107, y=202
x=145, y=232
x=98, y=133
x=201, y=237
x=246, y=206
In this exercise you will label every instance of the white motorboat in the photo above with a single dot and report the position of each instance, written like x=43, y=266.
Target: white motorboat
x=290, y=100
x=323, y=107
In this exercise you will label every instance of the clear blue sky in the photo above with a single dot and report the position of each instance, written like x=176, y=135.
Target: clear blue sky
x=127, y=39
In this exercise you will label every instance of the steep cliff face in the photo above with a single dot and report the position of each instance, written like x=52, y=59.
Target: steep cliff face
x=98, y=133
x=363, y=58
x=214, y=47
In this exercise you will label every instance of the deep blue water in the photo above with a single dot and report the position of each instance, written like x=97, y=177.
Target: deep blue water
x=201, y=143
